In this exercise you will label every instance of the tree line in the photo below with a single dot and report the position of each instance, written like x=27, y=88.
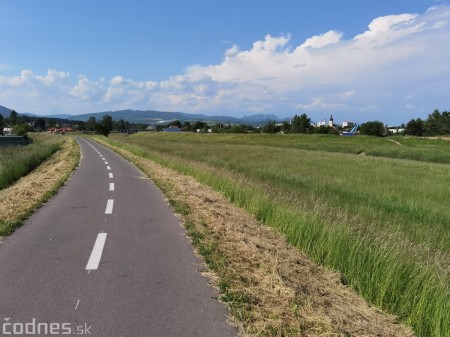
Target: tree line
x=21, y=124
x=437, y=124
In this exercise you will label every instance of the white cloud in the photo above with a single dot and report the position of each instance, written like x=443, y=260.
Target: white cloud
x=53, y=77
x=440, y=24
x=320, y=41
x=231, y=52
x=399, y=56
x=117, y=80
x=336, y=101
x=387, y=28
x=86, y=89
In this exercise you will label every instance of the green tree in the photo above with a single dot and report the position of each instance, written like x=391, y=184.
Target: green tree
x=323, y=129
x=107, y=123
x=2, y=124
x=174, y=123
x=40, y=124
x=186, y=126
x=51, y=123
x=80, y=126
x=415, y=127
x=270, y=127
x=198, y=125
x=91, y=124
x=300, y=124
x=373, y=128
x=119, y=125
x=13, y=118
x=285, y=127
x=438, y=123
x=26, y=119
x=22, y=129
x=104, y=126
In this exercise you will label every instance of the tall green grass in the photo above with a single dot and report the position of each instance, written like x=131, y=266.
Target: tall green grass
x=419, y=149
x=383, y=223
x=17, y=161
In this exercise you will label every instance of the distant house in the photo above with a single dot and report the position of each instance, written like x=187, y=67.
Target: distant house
x=172, y=128
x=66, y=130
x=60, y=130
x=396, y=129
x=348, y=124
x=324, y=122
x=321, y=123
x=7, y=131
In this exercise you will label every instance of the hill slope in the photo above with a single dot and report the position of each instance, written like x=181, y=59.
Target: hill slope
x=156, y=117
x=159, y=117
x=4, y=111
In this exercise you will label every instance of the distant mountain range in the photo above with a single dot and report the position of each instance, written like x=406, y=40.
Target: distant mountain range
x=160, y=117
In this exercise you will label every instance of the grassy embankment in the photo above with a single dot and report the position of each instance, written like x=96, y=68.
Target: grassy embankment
x=30, y=175
x=18, y=161
x=382, y=222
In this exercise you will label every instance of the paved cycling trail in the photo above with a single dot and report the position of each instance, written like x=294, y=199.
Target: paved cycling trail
x=106, y=257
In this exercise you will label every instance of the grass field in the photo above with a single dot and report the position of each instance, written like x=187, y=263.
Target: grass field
x=380, y=219
x=18, y=161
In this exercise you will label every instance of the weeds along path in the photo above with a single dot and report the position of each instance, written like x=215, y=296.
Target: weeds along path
x=18, y=161
x=270, y=287
x=18, y=201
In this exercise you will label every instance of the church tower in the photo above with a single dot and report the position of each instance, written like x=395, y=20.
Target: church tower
x=330, y=123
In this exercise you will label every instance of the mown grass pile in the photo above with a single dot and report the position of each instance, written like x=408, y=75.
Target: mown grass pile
x=382, y=222
x=17, y=161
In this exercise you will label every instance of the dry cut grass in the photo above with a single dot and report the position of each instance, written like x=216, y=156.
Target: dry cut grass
x=19, y=200
x=271, y=288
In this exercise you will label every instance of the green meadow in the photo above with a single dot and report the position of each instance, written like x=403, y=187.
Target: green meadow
x=17, y=161
x=369, y=208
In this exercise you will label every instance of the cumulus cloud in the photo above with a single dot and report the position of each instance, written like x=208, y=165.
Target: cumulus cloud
x=391, y=27
x=397, y=67
x=86, y=89
x=336, y=101
x=320, y=41
x=53, y=77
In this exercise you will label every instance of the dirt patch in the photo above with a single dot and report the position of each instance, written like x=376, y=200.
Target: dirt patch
x=20, y=200
x=394, y=141
x=438, y=137
x=270, y=287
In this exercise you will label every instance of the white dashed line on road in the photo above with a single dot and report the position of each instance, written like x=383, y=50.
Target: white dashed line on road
x=111, y=175
x=111, y=186
x=109, y=206
x=97, y=251
x=108, y=168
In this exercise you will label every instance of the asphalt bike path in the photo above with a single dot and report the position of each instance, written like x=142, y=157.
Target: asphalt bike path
x=105, y=257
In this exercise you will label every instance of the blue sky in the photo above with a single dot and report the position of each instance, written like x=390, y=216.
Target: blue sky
x=357, y=60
